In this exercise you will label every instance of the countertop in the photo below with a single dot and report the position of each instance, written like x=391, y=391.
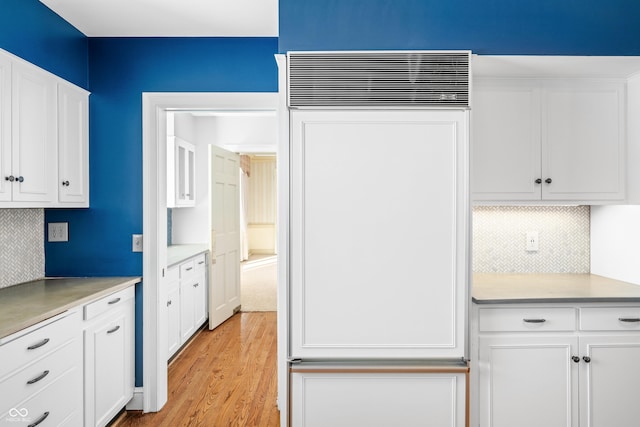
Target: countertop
x=28, y=303
x=548, y=288
x=178, y=253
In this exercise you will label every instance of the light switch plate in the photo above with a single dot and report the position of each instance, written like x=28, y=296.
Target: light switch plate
x=136, y=242
x=58, y=231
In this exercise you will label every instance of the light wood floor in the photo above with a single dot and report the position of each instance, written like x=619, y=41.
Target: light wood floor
x=225, y=377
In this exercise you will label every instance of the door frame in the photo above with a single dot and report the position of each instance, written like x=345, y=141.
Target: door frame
x=154, y=150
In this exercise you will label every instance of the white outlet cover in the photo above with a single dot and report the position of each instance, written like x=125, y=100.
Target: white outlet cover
x=58, y=231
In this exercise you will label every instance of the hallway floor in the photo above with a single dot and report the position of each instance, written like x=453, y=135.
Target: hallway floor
x=225, y=377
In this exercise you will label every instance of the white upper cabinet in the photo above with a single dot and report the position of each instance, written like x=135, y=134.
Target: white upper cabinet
x=181, y=158
x=548, y=140
x=5, y=128
x=73, y=145
x=43, y=138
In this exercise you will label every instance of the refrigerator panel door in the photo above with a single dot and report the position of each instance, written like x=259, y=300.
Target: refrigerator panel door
x=378, y=400
x=379, y=230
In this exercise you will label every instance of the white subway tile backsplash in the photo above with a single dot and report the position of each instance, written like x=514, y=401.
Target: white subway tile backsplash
x=499, y=239
x=21, y=245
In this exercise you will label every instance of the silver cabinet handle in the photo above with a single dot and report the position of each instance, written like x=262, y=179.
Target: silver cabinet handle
x=534, y=320
x=38, y=378
x=38, y=345
x=629, y=319
x=110, y=331
x=39, y=420
x=113, y=301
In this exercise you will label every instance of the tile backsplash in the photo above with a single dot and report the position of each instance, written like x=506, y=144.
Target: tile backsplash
x=21, y=245
x=499, y=239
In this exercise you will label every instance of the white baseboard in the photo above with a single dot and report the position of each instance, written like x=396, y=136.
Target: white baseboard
x=137, y=401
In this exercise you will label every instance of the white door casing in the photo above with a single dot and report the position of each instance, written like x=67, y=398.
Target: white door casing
x=224, y=295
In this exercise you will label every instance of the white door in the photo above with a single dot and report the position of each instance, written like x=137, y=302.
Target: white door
x=528, y=381
x=224, y=295
x=34, y=135
x=609, y=381
x=5, y=129
x=505, y=147
x=379, y=231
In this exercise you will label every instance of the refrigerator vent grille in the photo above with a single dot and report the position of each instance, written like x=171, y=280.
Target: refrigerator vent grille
x=379, y=79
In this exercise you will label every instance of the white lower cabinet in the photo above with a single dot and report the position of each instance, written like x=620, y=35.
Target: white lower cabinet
x=370, y=398
x=109, y=356
x=561, y=366
x=186, y=300
x=41, y=375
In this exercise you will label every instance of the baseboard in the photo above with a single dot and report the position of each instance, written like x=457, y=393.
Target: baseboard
x=137, y=401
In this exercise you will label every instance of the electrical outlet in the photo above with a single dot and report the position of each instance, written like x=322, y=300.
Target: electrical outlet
x=58, y=231
x=532, y=241
x=136, y=242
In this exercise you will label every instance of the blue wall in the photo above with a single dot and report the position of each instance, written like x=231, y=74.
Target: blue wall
x=121, y=69
x=33, y=32
x=525, y=27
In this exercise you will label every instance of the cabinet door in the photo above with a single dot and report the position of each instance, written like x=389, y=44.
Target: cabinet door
x=73, y=145
x=187, y=319
x=379, y=234
x=173, y=312
x=109, y=360
x=200, y=299
x=34, y=147
x=583, y=141
x=505, y=141
x=608, y=383
x=377, y=400
x=185, y=173
x=5, y=128
x=528, y=381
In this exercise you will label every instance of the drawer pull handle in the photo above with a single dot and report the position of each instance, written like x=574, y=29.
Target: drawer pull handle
x=38, y=345
x=113, y=301
x=195, y=285
x=168, y=303
x=534, y=320
x=110, y=331
x=629, y=319
x=586, y=359
x=39, y=420
x=38, y=378
x=189, y=268
x=575, y=359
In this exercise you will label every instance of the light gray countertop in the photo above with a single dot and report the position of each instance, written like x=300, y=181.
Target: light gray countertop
x=28, y=303
x=178, y=253
x=491, y=288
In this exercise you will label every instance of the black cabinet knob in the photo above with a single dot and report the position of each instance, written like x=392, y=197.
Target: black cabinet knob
x=9, y=178
x=586, y=359
x=20, y=179
x=575, y=359
x=548, y=180
x=65, y=183
x=538, y=181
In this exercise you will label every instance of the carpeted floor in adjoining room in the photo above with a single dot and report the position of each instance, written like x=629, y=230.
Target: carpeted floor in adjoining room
x=258, y=284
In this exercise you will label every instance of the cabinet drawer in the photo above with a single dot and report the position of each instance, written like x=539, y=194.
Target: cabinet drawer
x=524, y=319
x=40, y=374
x=610, y=318
x=173, y=274
x=26, y=349
x=114, y=300
x=200, y=262
x=57, y=404
x=187, y=269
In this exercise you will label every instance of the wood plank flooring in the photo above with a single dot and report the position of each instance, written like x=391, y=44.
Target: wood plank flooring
x=225, y=377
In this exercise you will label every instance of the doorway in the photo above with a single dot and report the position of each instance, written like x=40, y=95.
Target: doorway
x=156, y=108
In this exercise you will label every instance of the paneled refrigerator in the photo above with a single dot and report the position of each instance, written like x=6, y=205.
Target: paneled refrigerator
x=379, y=238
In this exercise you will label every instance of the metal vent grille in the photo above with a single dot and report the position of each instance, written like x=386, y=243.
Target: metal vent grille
x=379, y=79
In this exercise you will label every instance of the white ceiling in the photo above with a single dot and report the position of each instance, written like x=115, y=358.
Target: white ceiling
x=170, y=18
